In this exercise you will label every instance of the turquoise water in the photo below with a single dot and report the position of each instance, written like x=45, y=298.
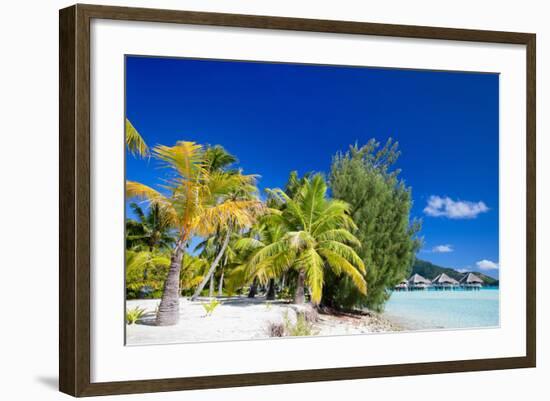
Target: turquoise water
x=423, y=310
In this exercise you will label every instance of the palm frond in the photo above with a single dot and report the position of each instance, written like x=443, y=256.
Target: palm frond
x=217, y=158
x=335, y=214
x=248, y=244
x=154, y=198
x=134, y=141
x=138, y=211
x=268, y=251
x=312, y=264
x=312, y=199
x=339, y=235
x=299, y=240
x=344, y=251
x=234, y=213
x=185, y=158
x=341, y=265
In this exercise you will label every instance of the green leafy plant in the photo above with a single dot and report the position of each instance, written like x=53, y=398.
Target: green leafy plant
x=285, y=293
x=211, y=306
x=134, y=314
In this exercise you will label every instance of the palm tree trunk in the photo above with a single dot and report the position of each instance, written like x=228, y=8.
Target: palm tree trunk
x=299, y=295
x=253, y=288
x=270, y=296
x=212, y=266
x=168, y=313
x=220, y=285
x=211, y=289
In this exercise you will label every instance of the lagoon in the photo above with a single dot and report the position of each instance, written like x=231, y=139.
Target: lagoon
x=424, y=310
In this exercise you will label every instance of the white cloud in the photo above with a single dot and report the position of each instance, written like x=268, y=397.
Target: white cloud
x=487, y=265
x=446, y=207
x=462, y=270
x=443, y=248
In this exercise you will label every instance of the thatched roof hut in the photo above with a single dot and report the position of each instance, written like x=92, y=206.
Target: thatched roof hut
x=417, y=282
x=416, y=279
x=471, y=278
x=403, y=285
x=444, y=279
x=471, y=282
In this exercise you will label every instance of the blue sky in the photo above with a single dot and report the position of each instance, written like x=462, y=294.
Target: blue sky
x=281, y=117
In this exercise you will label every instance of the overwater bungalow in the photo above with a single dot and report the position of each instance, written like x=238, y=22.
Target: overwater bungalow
x=444, y=282
x=417, y=282
x=471, y=282
x=402, y=286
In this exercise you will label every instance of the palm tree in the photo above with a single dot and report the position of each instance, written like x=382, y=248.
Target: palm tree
x=134, y=142
x=317, y=236
x=150, y=268
x=245, y=193
x=268, y=232
x=196, y=204
x=192, y=271
x=209, y=248
x=149, y=231
x=218, y=160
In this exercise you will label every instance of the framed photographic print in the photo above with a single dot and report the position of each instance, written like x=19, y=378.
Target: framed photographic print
x=313, y=200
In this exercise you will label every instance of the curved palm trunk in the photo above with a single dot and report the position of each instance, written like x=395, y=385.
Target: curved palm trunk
x=220, y=285
x=212, y=267
x=211, y=289
x=168, y=313
x=270, y=296
x=299, y=295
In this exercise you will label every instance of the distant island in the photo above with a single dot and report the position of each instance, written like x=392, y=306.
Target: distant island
x=431, y=271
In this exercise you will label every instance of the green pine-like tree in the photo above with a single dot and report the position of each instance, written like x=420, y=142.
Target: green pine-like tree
x=365, y=178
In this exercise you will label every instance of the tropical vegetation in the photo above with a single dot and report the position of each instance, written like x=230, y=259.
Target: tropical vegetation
x=206, y=230
x=366, y=178
x=134, y=314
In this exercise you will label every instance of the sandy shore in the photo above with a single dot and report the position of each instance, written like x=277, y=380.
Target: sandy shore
x=240, y=318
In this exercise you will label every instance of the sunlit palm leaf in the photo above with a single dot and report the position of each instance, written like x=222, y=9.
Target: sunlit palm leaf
x=339, y=235
x=344, y=251
x=312, y=264
x=268, y=251
x=185, y=158
x=154, y=198
x=135, y=143
x=340, y=265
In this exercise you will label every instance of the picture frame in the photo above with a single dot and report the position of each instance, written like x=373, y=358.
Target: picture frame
x=75, y=201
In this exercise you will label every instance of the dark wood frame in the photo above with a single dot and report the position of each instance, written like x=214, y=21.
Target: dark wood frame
x=74, y=200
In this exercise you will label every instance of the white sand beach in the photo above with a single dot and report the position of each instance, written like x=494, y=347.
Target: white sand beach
x=240, y=318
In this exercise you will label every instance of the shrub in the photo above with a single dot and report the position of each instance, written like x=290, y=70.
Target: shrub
x=301, y=328
x=285, y=294
x=276, y=329
x=134, y=314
